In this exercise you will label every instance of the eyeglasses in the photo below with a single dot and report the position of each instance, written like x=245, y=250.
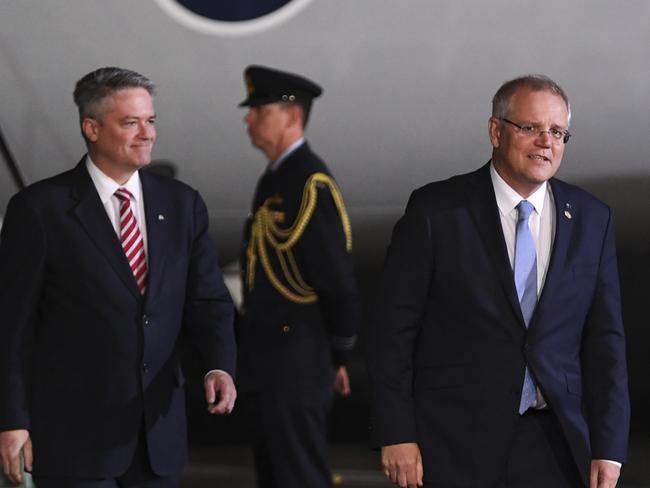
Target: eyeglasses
x=534, y=131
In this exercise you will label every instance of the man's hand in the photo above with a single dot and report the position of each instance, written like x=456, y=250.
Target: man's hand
x=12, y=443
x=342, y=382
x=219, y=386
x=604, y=474
x=402, y=464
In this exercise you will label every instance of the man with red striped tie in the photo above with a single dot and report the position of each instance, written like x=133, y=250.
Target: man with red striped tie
x=102, y=268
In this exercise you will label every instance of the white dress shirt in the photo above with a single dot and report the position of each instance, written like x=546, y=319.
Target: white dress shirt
x=106, y=188
x=541, y=223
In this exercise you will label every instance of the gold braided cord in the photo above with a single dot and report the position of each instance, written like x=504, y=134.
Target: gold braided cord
x=296, y=271
x=307, y=206
x=264, y=230
x=251, y=260
x=291, y=279
x=268, y=269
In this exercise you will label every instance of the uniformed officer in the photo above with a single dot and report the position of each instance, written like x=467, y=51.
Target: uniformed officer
x=301, y=305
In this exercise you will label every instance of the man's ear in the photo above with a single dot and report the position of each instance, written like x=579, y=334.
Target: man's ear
x=90, y=129
x=295, y=113
x=494, y=130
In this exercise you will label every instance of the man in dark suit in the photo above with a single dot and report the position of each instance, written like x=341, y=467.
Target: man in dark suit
x=301, y=306
x=497, y=354
x=102, y=269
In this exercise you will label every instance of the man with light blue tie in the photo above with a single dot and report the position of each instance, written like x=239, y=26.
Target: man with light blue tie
x=497, y=353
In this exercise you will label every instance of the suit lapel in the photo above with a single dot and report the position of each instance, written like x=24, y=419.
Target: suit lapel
x=563, y=232
x=158, y=231
x=92, y=216
x=484, y=210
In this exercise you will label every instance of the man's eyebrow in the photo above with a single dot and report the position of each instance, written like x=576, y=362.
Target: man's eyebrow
x=136, y=117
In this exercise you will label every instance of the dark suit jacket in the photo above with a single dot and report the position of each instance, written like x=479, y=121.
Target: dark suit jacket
x=448, y=346
x=284, y=346
x=84, y=358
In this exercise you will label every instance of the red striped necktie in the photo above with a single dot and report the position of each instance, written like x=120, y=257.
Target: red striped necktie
x=132, y=239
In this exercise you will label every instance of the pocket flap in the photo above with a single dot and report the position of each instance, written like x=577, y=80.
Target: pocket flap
x=574, y=383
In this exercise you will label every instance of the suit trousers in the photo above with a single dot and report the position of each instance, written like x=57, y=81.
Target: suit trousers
x=539, y=455
x=289, y=435
x=138, y=475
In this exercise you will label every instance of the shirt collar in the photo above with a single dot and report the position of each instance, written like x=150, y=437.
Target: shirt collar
x=508, y=199
x=274, y=165
x=106, y=186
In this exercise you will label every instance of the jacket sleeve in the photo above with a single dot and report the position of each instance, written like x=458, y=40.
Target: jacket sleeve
x=22, y=267
x=606, y=396
x=209, y=311
x=401, y=299
x=330, y=271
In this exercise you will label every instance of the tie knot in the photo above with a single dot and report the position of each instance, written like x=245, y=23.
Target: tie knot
x=525, y=208
x=123, y=194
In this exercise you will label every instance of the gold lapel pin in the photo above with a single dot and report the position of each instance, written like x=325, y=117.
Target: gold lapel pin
x=161, y=217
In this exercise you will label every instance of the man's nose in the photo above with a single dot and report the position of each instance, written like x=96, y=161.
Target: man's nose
x=147, y=131
x=544, y=138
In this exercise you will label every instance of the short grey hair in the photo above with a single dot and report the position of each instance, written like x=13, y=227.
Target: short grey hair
x=503, y=96
x=91, y=90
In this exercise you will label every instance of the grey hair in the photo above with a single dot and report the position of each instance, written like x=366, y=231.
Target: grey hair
x=503, y=96
x=91, y=90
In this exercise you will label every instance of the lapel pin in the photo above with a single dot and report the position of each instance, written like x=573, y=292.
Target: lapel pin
x=567, y=214
x=161, y=217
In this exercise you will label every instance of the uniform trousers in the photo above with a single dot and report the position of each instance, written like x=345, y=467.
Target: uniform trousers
x=289, y=436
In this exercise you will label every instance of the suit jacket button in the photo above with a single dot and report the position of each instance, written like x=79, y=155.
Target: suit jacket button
x=145, y=368
x=286, y=328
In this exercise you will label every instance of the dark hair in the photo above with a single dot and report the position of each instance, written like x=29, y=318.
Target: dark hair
x=305, y=105
x=501, y=100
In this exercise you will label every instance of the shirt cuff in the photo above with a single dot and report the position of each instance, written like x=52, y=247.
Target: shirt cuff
x=216, y=371
x=610, y=461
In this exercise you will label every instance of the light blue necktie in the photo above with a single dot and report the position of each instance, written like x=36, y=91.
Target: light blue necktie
x=526, y=283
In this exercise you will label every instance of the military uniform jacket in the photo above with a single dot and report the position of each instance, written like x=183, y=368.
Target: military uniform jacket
x=291, y=341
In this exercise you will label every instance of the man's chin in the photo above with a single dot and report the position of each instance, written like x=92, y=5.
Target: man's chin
x=142, y=163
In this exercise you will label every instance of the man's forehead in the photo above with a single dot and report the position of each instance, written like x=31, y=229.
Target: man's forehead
x=538, y=101
x=538, y=98
x=125, y=99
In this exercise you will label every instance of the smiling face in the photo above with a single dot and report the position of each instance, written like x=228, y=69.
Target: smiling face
x=121, y=137
x=524, y=161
